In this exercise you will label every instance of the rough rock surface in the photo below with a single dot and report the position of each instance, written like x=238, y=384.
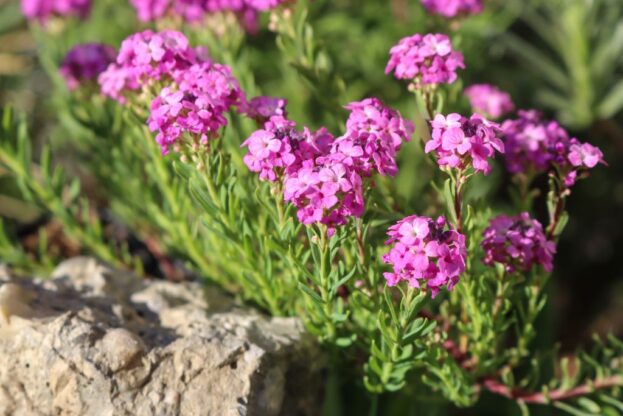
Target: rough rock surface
x=96, y=341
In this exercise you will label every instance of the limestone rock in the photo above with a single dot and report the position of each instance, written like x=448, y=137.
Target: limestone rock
x=96, y=341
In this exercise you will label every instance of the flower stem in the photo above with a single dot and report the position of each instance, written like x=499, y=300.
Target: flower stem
x=278, y=194
x=360, y=243
x=555, y=218
x=325, y=294
x=458, y=205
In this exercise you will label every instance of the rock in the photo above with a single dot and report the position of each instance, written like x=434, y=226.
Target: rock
x=96, y=341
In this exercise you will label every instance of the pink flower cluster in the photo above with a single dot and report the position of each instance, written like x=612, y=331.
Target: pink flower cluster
x=145, y=58
x=262, y=108
x=279, y=149
x=196, y=10
x=374, y=134
x=518, y=243
x=83, y=63
x=322, y=176
x=425, y=252
x=194, y=105
x=489, y=100
x=42, y=10
x=427, y=59
x=327, y=193
x=461, y=142
x=453, y=8
x=535, y=144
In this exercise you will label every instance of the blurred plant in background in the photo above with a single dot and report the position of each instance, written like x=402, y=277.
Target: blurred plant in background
x=194, y=172
x=574, y=51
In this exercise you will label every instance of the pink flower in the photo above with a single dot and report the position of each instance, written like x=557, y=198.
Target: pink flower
x=322, y=176
x=425, y=252
x=453, y=8
x=195, y=105
x=327, y=193
x=263, y=108
x=83, y=63
x=42, y=10
x=146, y=57
x=427, y=59
x=460, y=143
x=149, y=10
x=489, y=101
x=374, y=134
x=535, y=144
x=273, y=149
x=518, y=243
x=584, y=155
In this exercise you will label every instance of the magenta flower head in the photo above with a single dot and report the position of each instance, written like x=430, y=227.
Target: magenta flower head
x=425, y=60
x=279, y=149
x=147, y=57
x=518, y=243
x=374, y=133
x=580, y=157
x=263, y=108
x=193, y=11
x=83, y=63
x=453, y=8
x=425, y=252
x=195, y=105
x=584, y=155
x=534, y=144
x=150, y=10
x=328, y=193
x=42, y=10
x=461, y=143
x=489, y=100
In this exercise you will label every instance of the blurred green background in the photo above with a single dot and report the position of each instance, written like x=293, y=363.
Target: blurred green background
x=564, y=57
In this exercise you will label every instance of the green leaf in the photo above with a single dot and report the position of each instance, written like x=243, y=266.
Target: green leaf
x=309, y=292
x=572, y=410
x=612, y=103
x=390, y=306
x=448, y=195
x=388, y=334
x=612, y=401
x=537, y=60
x=589, y=405
x=375, y=366
x=393, y=387
x=378, y=353
x=345, y=342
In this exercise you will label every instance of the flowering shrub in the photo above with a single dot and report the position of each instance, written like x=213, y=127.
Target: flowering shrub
x=296, y=201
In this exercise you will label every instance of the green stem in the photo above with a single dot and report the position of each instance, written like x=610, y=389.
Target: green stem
x=278, y=194
x=325, y=265
x=374, y=405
